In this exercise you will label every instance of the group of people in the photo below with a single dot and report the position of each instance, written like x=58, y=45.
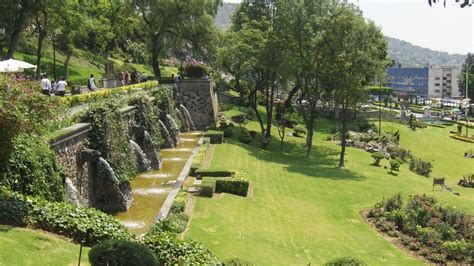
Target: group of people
x=59, y=88
x=128, y=78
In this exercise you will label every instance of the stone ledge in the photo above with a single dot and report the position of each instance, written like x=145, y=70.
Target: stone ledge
x=70, y=133
x=127, y=110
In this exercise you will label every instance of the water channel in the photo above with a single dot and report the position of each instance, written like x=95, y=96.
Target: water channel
x=151, y=188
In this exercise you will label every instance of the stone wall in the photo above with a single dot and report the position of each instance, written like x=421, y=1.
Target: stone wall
x=199, y=97
x=68, y=147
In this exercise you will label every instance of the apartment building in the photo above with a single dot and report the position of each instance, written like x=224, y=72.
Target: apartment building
x=443, y=83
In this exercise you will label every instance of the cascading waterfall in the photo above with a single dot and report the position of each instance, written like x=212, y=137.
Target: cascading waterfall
x=143, y=164
x=104, y=169
x=152, y=153
x=184, y=122
x=165, y=134
x=173, y=123
x=188, y=117
x=71, y=191
x=173, y=128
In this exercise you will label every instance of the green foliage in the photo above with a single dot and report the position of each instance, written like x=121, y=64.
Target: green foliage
x=394, y=165
x=228, y=132
x=245, y=137
x=206, y=191
x=175, y=223
x=299, y=130
x=420, y=167
x=146, y=116
x=214, y=172
x=437, y=232
x=109, y=136
x=121, y=252
x=467, y=180
x=23, y=109
x=377, y=156
x=165, y=101
x=345, y=261
x=232, y=186
x=216, y=137
x=31, y=169
x=81, y=224
x=136, y=51
x=195, y=70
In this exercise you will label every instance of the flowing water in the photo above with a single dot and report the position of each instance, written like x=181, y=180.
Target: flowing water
x=151, y=188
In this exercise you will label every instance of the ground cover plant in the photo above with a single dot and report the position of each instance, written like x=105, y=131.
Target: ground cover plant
x=307, y=210
x=440, y=233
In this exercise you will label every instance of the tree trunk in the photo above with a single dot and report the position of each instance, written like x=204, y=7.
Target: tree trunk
x=269, y=112
x=39, y=51
x=155, y=50
x=310, y=128
x=66, y=63
x=290, y=96
x=253, y=104
x=343, y=137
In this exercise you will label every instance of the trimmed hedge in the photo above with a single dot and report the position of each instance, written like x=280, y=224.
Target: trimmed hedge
x=461, y=138
x=205, y=191
x=214, y=173
x=216, y=137
x=121, y=252
x=345, y=261
x=236, y=187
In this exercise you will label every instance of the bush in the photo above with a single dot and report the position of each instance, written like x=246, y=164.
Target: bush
x=31, y=169
x=146, y=116
x=345, y=261
x=214, y=172
x=377, y=156
x=205, y=191
x=216, y=137
x=195, y=70
x=236, y=187
x=299, y=130
x=192, y=169
x=121, y=252
x=394, y=165
x=420, y=167
x=467, y=180
x=175, y=223
x=245, y=137
x=15, y=208
x=228, y=132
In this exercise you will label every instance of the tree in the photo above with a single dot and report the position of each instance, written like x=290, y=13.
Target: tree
x=470, y=77
x=463, y=3
x=168, y=21
x=358, y=51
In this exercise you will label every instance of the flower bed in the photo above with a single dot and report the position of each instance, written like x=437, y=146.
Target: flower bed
x=437, y=233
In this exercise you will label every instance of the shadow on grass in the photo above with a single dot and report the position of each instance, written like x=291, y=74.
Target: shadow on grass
x=322, y=164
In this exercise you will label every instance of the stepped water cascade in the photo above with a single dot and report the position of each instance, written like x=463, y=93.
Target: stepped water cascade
x=143, y=164
x=71, y=192
x=184, y=122
x=187, y=116
x=151, y=151
x=166, y=135
x=109, y=194
x=151, y=188
x=174, y=129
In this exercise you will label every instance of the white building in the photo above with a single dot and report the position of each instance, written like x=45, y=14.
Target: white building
x=443, y=83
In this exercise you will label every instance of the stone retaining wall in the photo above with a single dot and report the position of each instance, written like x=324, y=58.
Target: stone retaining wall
x=200, y=99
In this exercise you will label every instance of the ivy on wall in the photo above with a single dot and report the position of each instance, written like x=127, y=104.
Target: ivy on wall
x=146, y=116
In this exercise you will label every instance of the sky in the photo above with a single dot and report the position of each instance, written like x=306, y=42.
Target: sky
x=447, y=29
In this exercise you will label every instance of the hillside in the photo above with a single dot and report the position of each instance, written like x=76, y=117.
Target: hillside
x=402, y=52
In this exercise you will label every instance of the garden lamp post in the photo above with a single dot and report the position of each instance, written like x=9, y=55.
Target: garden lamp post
x=2, y=33
x=54, y=39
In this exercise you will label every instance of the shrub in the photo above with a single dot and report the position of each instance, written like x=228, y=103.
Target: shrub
x=397, y=152
x=15, y=208
x=175, y=223
x=345, y=261
x=394, y=165
x=121, y=252
x=245, y=137
x=377, y=156
x=216, y=137
x=205, y=191
x=236, y=187
x=195, y=70
x=228, y=132
x=146, y=116
x=299, y=130
x=214, y=172
x=32, y=170
x=420, y=167
x=192, y=169
x=467, y=180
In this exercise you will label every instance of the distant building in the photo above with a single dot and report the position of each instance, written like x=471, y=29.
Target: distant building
x=424, y=82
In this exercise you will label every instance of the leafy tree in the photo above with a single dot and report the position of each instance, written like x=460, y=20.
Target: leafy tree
x=470, y=78
x=167, y=21
x=358, y=52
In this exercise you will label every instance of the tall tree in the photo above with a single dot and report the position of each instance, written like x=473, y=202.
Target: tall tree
x=168, y=20
x=358, y=52
x=469, y=66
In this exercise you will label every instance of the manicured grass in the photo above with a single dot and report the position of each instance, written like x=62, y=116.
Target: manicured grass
x=308, y=211
x=21, y=246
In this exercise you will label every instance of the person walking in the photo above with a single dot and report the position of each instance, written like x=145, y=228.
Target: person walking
x=91, y=83
x=61, y=87
x=46, y=85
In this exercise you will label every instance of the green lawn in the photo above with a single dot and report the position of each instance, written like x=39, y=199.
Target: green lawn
x=307, y=211
x=21, y=246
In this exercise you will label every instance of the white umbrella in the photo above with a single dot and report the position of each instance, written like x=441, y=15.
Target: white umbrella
x=12, y=65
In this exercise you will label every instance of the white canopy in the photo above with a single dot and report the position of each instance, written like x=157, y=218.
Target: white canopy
x=12, y=65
